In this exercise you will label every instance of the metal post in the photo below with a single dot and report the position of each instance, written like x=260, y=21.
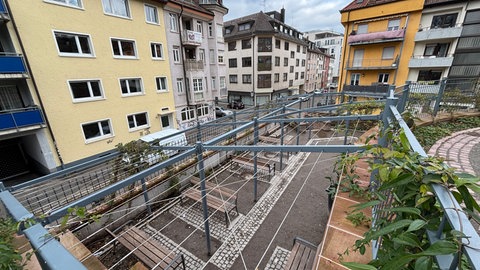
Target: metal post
x=347, y=125
x=402, y=104
x=439, y=98
x=235, y=125
x=145, y=196
x=387, y=114
x=199, y=132
x=298, y=124
x=255, y=153
x=203, y=190
x=282, y=124
x=2, y=186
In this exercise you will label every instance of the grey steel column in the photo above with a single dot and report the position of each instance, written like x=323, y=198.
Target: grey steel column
x=255, y=153
x=201, y=172
x=145, y=196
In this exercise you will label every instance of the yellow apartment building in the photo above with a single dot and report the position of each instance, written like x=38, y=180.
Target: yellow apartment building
x=378, y=43
x=101, y=69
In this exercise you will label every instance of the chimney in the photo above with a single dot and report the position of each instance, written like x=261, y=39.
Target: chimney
x=282, y=15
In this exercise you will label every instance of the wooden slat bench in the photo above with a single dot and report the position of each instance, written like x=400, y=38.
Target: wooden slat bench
x=302, y=256
x=148, y=250
x=213, y=202
x=264, y=166
x=214, y=189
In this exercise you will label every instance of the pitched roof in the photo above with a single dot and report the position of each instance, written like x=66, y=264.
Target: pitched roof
x=260, y=23
x=193, y=4
x=358, y=4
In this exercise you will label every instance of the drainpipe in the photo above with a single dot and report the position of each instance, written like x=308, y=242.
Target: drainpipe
x=187, y=87
x=253, y=70
x=347, y=29
x=35, y=87
x=401, y=51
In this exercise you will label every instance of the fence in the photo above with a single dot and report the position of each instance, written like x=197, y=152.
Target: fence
x=427, y=99
x=456, y=219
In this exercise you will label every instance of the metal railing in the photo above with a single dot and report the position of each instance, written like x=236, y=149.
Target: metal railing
x=429, y=98
x=20, y=118
x=457, y=220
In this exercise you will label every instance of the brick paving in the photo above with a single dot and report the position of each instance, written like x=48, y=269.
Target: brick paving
x=456, y=149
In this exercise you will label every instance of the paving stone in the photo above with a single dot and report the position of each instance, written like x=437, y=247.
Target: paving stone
x=278, y=260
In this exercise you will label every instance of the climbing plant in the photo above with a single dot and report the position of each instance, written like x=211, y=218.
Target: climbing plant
x=404, y=183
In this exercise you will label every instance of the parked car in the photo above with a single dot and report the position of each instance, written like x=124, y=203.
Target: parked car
x=221, y=112
x=236, y=104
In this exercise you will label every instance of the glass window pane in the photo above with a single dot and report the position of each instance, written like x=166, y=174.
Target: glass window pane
x=80, y=89
x=91, y=130
x=66, y=43
x=84, y=44
x=128, y=48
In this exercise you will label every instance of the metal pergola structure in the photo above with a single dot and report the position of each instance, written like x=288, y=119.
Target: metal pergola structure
x=54, y=256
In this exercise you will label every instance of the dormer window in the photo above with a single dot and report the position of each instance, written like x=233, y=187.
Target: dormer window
x=244, y=26
x=228, y=29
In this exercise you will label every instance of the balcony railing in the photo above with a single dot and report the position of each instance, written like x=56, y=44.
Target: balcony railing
x=375, y=89
x=191, y=64
x=192, y=38
x=198, y=97
x=21, y=118
x=428, y=33
x=376, y=37
x=12, y=64
x=369, y=64
x=420, y=61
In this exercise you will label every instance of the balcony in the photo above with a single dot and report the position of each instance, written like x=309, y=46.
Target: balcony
x=192, y=64
x=192, y=38
x=420, y=61
x=376, y=37
x=21, y=119
x=198, y=96
x=366, y=89
x=12, y=66
x=372, y=64
x=428, y=33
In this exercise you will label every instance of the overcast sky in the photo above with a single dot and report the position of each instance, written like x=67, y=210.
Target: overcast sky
x=304, y=15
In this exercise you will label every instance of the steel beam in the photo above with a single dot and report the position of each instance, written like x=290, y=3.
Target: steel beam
x=287, y=148
x=58, y=213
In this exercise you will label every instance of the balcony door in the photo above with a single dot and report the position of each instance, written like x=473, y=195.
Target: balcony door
x=10, y=98
x=358, y=58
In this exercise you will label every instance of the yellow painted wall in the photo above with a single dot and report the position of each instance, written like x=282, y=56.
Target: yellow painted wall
x=36, y=21
x=351, y=19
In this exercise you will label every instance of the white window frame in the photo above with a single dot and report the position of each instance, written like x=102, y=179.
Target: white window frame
x=199, y=27
x=146, y=7
x=158, y=82
x=173, y=25
x=188, y=111
x=223, y=82
x=179, y=84
x=137, y=127
x=142, y=92
x=210, y=30
x=382, y=77
x=169, y=117
x=156, y=57
x=214, y=83
x=176, y=55
x=201, y=55
x=220, y=57
x=102, y=136
x=393, y=25
x=197, y=84
x=127, y=7
x=77, y=41
x=92, y=97
x=65, y=3
x=119, y=42
x=203, y=109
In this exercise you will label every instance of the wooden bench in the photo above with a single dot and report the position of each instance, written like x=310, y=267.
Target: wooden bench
x=212, y=202
x=247, y=161
x=151, y=252
x=302, y=256
x=214, y=189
